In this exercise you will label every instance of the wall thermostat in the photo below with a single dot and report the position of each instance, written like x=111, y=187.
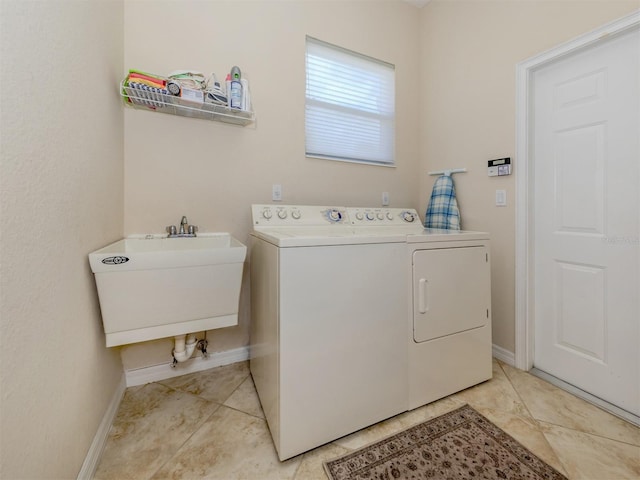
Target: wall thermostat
x=499, y=167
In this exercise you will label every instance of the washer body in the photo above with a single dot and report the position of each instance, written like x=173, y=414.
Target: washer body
x=328, y=336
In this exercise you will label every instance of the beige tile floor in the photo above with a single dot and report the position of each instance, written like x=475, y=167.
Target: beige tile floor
x=210, y=425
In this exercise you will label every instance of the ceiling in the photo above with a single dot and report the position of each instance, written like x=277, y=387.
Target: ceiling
x=418, y=3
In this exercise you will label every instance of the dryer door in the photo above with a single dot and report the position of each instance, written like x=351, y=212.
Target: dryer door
x=451, y=291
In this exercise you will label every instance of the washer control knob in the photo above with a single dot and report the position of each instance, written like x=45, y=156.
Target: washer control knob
x=359, y=216
x=408, y=217
x=389, y=216
x=380, y=216
x=266, y=213
x=334, y=215
x=282, y=214
x=296, y=214
x=369, y=216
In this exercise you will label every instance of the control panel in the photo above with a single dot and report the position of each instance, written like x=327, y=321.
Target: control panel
x=297, y=215
x=499, y=167
x=383, y=216
x=302, y=215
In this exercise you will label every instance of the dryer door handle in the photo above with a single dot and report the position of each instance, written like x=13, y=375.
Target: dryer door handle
x=423, y=297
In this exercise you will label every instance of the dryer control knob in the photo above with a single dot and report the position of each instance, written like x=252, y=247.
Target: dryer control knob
x=389, y=216
x=380, y=216
x=359, y=216
x=369, y=216
x=282, y=214
x=334, y=215
x=266, y=213
x=408, y=217
x=296, y=214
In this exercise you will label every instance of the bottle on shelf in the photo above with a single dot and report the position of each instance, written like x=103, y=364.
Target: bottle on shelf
x=235, y=95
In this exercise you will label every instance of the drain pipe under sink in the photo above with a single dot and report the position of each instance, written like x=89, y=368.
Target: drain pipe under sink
x=184, y=347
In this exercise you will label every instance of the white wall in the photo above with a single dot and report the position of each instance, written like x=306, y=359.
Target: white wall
x=468, y=63
x=455, y=67
x=61, y=191
x=212, y=172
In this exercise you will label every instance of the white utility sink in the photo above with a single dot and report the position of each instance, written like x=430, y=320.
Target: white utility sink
x=155, y=287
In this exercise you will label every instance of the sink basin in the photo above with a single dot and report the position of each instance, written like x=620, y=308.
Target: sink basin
x=142, y=253
x=155, y=287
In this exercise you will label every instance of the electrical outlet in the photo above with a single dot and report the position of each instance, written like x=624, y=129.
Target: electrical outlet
x=276, y=193
x=501, y=198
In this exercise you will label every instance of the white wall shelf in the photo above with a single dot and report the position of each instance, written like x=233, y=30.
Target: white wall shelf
x=162, y=103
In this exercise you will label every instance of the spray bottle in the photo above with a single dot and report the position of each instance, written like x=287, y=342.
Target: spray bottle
x=235, y=98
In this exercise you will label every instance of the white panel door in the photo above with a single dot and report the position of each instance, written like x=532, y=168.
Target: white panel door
x=587, y=237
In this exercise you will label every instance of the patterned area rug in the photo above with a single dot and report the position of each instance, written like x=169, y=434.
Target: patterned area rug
x=461, y=444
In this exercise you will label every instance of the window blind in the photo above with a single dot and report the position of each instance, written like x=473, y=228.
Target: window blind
x=350, y=105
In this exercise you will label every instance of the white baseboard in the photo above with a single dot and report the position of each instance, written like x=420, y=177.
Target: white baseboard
x=504, y=355
x=88, y=469
x=155, y=373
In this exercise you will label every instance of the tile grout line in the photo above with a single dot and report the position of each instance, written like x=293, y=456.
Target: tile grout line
x=176, y=389
x=591, y=434
x=196, y=430
x=547, y=422
x=204, y=421
x=524, y=404
x=536, y=421
x=295, y=474
x=241, y=411
x=586, y=396
x=235, y=389
x=515, y=389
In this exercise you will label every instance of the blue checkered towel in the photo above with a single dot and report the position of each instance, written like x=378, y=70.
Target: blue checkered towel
x=442, y=211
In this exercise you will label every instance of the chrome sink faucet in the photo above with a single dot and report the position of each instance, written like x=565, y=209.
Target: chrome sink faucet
x=186, y=230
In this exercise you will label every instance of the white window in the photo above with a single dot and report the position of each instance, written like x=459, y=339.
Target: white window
x=350, y=106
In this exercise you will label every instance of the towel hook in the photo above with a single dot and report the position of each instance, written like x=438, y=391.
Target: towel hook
x=449, y=171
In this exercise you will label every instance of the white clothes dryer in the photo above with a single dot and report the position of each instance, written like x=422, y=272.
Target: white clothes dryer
x=450, y=345
x=449, y=304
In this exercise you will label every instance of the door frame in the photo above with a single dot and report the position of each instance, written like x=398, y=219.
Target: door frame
x=525, y=280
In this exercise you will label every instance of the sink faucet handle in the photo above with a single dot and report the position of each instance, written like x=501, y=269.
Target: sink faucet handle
x=171, y=230
x=192, y=229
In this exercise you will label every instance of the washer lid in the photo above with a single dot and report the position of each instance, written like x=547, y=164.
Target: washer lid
x=322, y=236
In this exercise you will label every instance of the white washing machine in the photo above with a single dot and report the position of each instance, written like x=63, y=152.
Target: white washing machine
x=329, y=329
x=359, y=314
x=450, y=345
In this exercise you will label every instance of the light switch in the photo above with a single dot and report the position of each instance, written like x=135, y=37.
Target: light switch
x=276, y=193
x=385, y=199
x=501, y=198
